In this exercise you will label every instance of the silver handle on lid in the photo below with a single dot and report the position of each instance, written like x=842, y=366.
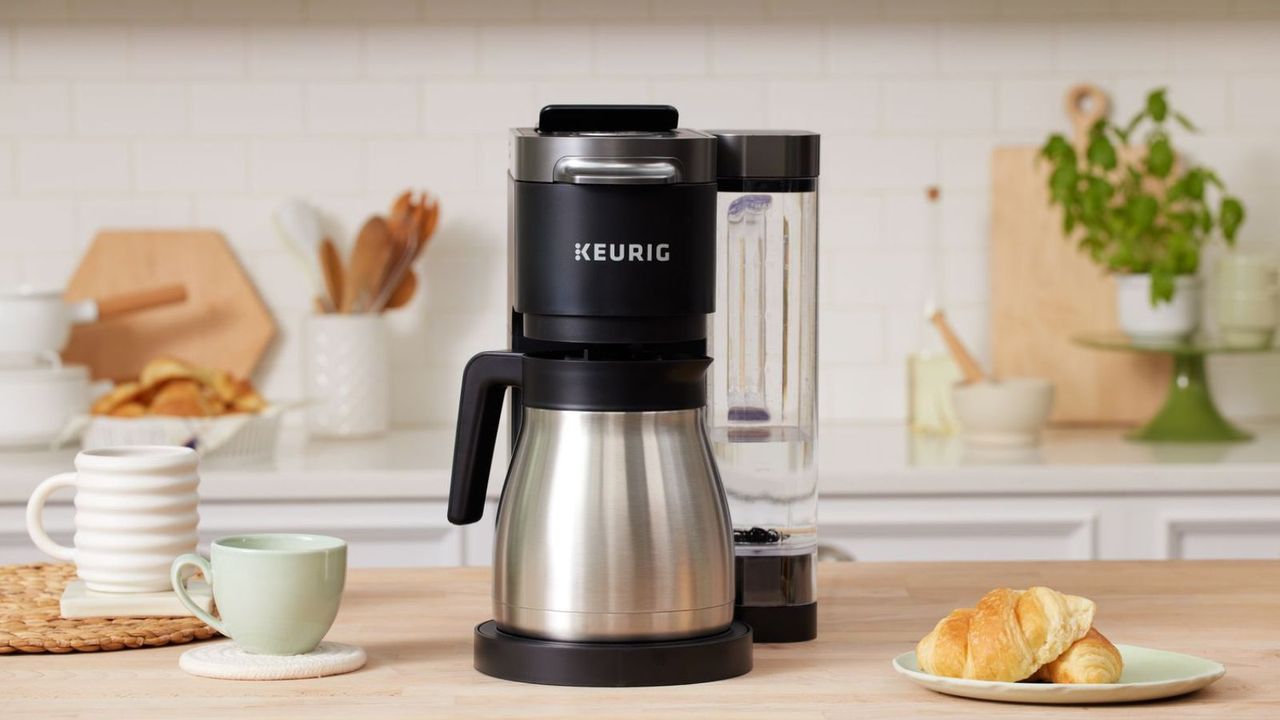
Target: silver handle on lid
x=617, y=171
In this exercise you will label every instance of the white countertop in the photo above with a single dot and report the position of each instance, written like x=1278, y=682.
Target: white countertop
x=854, y=459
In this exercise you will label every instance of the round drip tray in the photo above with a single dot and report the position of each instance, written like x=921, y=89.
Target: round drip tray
x=631, y=664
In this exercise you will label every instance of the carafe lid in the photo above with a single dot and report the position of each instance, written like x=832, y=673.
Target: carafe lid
x=612, y=145
x=558, y=383
x=766, y=153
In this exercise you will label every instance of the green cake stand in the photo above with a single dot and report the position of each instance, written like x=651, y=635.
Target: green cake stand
x=1189, y=414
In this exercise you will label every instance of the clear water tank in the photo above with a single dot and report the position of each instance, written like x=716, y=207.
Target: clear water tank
x=762, y=405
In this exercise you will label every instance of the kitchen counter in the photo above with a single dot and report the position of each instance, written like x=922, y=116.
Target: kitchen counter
x=416, y=626
x=854, y=460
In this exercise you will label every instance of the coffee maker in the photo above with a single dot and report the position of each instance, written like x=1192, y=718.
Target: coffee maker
x=613, y=559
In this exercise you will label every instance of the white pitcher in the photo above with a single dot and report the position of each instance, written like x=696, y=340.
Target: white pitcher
x=135, y=513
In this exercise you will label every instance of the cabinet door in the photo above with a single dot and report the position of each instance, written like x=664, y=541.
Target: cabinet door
x=1240, y=537
x=943, y=529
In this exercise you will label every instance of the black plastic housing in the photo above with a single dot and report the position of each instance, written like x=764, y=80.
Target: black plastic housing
x=607, y=118
x=613, y=664
x=614, y=263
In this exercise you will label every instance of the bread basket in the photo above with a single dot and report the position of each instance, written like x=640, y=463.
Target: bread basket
x=239, y=438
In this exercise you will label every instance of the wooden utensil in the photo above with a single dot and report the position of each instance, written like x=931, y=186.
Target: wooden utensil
x=331, y=269
x=970, y=367
x=223, y=323
x=1043, y=291
x=125, y=303
x=403, y=292
x=373, y=250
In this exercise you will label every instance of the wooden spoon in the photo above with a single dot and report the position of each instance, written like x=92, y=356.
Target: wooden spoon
x=331, y=266
x=403, y=292
x=373, y=251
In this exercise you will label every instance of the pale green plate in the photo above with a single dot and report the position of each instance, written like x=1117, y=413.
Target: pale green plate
x=1148, y=675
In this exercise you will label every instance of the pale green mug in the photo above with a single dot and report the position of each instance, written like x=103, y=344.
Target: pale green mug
x=276, y=593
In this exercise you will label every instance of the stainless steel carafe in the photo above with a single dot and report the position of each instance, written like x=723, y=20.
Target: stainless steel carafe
x=612, y=526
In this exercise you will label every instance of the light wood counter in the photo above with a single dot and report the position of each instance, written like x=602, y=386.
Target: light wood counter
x=416, y=626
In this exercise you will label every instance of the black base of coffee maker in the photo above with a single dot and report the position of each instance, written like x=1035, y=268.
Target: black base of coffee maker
x=605, y=664
x=780, y=624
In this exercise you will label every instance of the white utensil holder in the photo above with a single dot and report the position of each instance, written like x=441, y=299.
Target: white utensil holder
x=348, y=375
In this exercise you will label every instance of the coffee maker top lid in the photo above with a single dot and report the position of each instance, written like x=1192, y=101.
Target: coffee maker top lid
x=767, y=153
x=612, y=145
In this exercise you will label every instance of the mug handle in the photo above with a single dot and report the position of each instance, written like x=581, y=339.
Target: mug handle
x=35, y=515
x=180, y=587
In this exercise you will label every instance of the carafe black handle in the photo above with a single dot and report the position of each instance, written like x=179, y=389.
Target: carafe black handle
x=484, y=381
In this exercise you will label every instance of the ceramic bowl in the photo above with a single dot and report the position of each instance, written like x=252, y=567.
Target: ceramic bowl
x=1003, y=413
x=37, y=402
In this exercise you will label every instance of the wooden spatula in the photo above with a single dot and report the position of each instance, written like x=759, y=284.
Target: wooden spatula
x=331, y=268
x=372, y=253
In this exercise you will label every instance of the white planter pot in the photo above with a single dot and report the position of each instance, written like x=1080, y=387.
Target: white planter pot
x=1170, y=321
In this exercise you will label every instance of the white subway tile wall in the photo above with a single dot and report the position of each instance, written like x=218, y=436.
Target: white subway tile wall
x=160, y=113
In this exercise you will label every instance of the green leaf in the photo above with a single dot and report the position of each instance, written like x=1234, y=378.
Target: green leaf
x=1142, y=212
x=1195, y=183
x=1157, y=107
x=1185, y=122
x=1057, y=150
x=1101, y=152
x=1230, y=216
x=1162, y=285
x=1160, y=157
x=1062, y=183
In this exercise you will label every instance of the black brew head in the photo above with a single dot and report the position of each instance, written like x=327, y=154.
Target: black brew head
x=613, y=226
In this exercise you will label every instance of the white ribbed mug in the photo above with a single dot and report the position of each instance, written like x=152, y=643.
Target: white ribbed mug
x=135, y=513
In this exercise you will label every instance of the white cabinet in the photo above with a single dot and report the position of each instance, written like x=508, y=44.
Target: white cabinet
x=873, y=529
x=1053, y=527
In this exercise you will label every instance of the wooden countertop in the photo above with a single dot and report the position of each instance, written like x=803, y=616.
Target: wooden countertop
x=416, y=626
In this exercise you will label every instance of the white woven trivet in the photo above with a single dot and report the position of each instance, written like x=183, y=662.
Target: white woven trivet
x=225, y=661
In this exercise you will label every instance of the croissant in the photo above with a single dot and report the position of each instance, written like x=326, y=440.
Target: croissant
x=1007, y=637
x=1092, y=659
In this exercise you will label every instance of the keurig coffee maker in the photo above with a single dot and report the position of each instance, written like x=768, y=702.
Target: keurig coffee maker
x=613, y=559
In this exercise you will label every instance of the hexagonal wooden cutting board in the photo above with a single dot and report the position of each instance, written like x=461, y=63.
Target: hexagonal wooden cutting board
x=223, y=323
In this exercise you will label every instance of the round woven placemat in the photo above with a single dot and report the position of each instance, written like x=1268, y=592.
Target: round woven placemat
x=30, y=620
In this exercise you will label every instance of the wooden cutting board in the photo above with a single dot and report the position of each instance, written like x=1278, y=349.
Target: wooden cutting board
x=1043, y=291
x=223, y=324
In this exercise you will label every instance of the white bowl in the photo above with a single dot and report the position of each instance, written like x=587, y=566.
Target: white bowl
x=37, y=402
x=1003, y=413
